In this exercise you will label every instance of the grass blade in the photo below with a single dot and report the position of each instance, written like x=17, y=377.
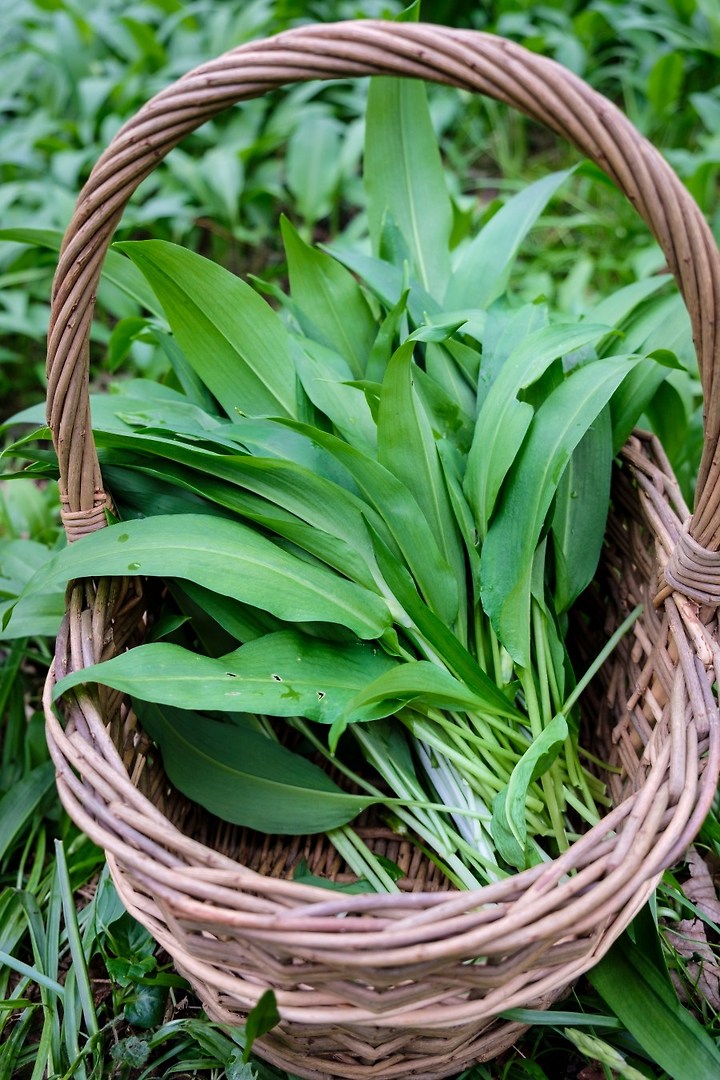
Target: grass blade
x=648, y=1006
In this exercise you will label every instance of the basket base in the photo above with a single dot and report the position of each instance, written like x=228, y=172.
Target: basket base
x=343, y=1053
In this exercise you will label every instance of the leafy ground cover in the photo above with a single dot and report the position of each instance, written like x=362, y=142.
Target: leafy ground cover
x=85, y=992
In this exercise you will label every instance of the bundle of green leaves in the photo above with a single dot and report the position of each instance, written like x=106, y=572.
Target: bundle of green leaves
x=374, y=505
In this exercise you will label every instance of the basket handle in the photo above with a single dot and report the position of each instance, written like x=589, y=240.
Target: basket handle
x=536, y=86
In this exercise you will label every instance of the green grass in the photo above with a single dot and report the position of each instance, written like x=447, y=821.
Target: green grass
x=84, y=991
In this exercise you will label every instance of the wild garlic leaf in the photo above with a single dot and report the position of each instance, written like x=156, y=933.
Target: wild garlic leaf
x=455, y=656
x=507, y=557
x=389, y=283
x=484, y=267
x=399, y=519
x=329, y=303
x=580, y=513
x=327, y=380
x=279, y=674
x=225, y=556
x=232, y=338
x=404, y=177
x=245, y=777
x=407, y=448
x=503, y=419
x=536, y=760
x=288, y=499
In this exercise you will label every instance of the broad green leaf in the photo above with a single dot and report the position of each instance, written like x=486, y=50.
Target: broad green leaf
x=244, y=777
x=484, y=267
x=406, y=447
x=231, y=337
x=507, y=556
x=327, y=380
x=633, y=397
x=401, y=521
x=227, y=557
x=281, y=674
x=664, y=83
x=417, y=680
x=442, y=366
x=536, y=760
x=646, y=1002
x=613, y=310
x=404, y=177
x=317, y=514
x=30, y=616
x=329, y=301
x=580, y=514
x=503, y=419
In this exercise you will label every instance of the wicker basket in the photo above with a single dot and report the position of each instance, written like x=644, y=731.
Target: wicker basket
x=407, y=985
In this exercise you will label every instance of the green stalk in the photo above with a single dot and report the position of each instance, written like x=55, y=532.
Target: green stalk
x=361, y=859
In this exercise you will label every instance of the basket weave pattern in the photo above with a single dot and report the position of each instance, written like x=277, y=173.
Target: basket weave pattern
x=409, y=984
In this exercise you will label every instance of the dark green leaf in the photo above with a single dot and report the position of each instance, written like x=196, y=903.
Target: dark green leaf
x=262, y=1018
x=646, y=1002
x=246, y=778
x=580, y=514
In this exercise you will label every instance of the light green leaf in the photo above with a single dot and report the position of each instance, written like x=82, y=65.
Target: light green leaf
x=536, y=760
x=503, y=420
x=231, y=337
x=313, y=164
x=507, y=556
x=417, y=680
x=484, y=267
x=227, y=557
x=389, y=283
x=326, y=379
x=404, y=177
x=330, y=305
x=281, y=674
x=406, y=447
x=244, y=777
